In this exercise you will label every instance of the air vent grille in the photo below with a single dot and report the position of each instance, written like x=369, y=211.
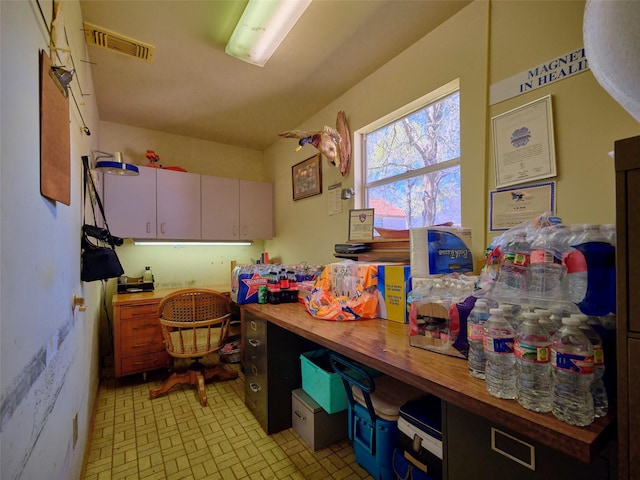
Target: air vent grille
x=104, y=38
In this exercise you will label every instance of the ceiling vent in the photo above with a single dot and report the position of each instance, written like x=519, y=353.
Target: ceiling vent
x=104, y=38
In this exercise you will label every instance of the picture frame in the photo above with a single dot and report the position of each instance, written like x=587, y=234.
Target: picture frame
x=523, y=144
x=361, y=224
x=306, y=178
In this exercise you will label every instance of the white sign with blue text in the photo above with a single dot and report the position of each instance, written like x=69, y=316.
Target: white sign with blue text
x=541, y=75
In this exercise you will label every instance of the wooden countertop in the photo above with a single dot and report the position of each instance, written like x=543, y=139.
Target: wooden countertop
x=384, y=345
x=157, y=295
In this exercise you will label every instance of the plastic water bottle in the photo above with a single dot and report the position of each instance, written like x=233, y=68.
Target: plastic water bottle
x=545, y=266
x=514, y=264
x=598, y=390
x=549, y=323
x=575, y=280
x=475, y=335
x=572, y=370
x=609, y=231
x=532, y=349
x=500, y=369
x=509, y=312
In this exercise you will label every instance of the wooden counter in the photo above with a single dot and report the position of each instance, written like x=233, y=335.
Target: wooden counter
x=384, y=345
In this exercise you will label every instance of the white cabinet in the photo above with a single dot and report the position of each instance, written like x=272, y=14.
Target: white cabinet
x=130, y=203
x=172, y=205
x=178, y=205
x=220, y=208
x=236, y=209
x=256, y=210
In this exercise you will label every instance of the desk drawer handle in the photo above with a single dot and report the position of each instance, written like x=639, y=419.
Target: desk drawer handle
x=146, y=361
x=254, y=325
x=301, y=417
x=255, y=388
x=254, y=343
x=254, y=370
x=140, y=345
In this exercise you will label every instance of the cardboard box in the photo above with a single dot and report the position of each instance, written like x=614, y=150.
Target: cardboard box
x=440, y=250
x=394, y=284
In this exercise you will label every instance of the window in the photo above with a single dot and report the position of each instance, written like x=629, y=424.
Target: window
x=411, y=163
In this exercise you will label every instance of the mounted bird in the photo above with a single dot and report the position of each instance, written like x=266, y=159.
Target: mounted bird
x=333, y=143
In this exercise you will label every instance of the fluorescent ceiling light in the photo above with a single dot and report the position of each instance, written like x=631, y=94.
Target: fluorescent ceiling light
x=262, y=27
x=186, y=242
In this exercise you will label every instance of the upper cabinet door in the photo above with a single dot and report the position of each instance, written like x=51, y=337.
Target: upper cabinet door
x=256, y=210
x=130, y=204
x=178, y=204
x=220, y=208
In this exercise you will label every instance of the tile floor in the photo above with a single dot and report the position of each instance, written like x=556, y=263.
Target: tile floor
x=174, y=437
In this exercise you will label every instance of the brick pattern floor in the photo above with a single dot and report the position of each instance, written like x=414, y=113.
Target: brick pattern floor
x=174, y=437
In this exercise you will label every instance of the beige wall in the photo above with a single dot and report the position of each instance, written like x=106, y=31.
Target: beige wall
x=456, y=49
x=586, y=119
x=193, y=154
x=483, y=44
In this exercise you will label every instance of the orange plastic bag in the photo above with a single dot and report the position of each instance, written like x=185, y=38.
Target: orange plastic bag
x=345, y=291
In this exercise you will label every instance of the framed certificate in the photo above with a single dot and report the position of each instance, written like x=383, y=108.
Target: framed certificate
x=512, y=206
x=523, y=144
x=361, y=224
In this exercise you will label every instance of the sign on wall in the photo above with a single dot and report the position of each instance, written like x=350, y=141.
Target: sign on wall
x=541, y=75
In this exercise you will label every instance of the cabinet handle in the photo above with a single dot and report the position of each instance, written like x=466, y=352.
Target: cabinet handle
x=162, y=227
x=301, y=417
x=253, y=325
x=148, y=227
x=254, y=370
x=146, y=361
x=140, y=345
x=254, y=343
x=254, y=387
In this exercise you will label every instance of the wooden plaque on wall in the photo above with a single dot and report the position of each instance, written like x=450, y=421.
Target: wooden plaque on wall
x=55, y=148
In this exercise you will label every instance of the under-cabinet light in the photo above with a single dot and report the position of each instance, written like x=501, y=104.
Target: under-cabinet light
x=262, y=27
x=188, y=243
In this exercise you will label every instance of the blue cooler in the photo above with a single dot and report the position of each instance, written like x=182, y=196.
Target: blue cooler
x=420, y=436
x=373, y=411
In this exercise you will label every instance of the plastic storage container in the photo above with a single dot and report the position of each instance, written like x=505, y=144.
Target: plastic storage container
x=321, y=382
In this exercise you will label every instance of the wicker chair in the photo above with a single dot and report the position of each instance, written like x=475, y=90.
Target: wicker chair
x=195, y=323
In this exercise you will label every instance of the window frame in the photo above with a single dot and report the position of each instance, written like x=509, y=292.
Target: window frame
x=360, y=185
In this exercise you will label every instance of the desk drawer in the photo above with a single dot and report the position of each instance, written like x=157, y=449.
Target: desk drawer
x=138, y=311
x=145, y=362
x=142, y=344
x=140, y=326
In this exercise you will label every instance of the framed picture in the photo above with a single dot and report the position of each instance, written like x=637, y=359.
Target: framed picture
x=523, y=144
x=361, y=224
x=306, y=178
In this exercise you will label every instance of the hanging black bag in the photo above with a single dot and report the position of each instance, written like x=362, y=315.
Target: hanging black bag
x=97, y=262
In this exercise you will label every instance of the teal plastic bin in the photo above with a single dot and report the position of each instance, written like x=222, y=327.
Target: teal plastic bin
x=320, y=381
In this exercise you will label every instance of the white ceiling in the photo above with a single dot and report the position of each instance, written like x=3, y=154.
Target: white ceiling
x=194, y=89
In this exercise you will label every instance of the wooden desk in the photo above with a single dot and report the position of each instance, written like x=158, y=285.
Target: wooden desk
x=138, y=346
x=384, y=345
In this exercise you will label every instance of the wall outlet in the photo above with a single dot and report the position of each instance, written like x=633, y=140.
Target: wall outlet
x=75, y=429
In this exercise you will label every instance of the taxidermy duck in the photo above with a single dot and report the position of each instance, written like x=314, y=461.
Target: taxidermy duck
x=333, y=143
